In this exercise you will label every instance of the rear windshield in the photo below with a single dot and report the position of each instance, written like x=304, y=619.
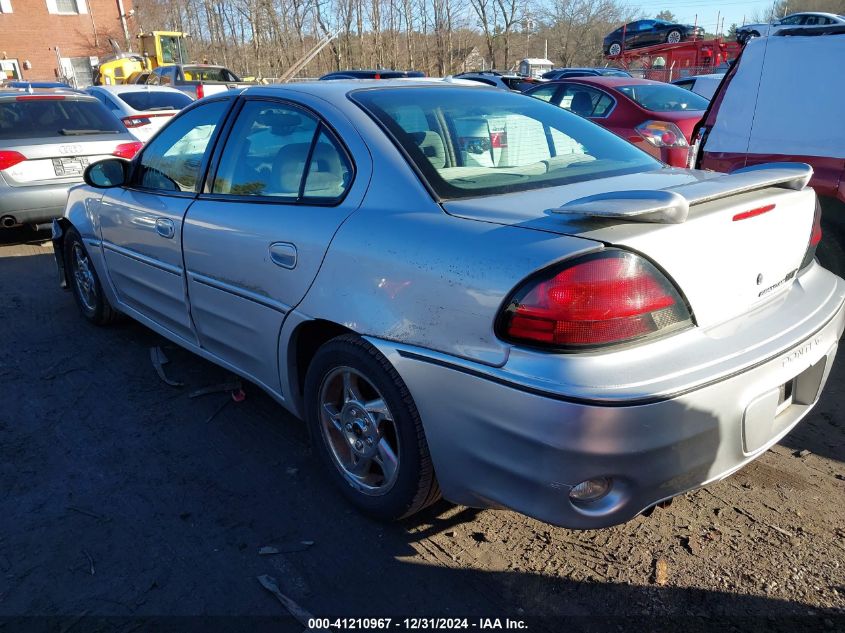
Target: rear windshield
x=519, y=83
x=664, y=97
x=465, y=147
x=49, y=117
x=200, y=73
x=154, y=100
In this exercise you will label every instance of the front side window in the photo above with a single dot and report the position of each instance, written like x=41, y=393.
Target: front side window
x=172, y=162
x=281, y=151
x=585, y=101
x=464, y=146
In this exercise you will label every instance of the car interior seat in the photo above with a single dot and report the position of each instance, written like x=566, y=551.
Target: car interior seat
x=582, y=104
x=432, y=147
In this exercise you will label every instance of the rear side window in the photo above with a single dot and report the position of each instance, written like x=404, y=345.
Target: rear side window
x=464, y=146
x=173, y=160
x=585, y=101
x=201, y=73
x=39, y=117
x=281, y=151
x=152, y=100
x=663, y=97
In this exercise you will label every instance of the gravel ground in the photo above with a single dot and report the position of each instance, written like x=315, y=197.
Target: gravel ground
x=123, y=498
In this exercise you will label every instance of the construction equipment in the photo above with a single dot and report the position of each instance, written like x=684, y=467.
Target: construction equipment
x=158, y=48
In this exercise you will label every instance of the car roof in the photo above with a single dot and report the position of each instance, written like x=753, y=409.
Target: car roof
x=9, y=94
x=339, y=88
x=607, y=82
x=121, y=88
x=707, y=76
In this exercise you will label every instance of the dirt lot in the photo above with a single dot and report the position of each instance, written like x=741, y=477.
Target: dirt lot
x=123, y=498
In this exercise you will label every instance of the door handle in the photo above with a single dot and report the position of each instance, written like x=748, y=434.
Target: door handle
x=165, y=228
x=283, y=254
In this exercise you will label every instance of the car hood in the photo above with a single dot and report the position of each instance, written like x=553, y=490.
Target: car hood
x=751, y=27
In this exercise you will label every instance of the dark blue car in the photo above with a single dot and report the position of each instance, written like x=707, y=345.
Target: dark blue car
x=566, y=73
x=647, y=33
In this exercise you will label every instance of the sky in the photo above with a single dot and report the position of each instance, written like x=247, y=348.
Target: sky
x=732, y=11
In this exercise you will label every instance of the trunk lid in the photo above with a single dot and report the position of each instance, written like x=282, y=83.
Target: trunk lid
x=741, y=244
x=52, y=161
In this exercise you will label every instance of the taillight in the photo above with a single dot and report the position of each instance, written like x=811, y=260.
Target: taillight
x=135, y=121
x=815, y=237
x=200, y=91
x=10, y=159
x=601, y=299
x=662, y=134
x=127, y=150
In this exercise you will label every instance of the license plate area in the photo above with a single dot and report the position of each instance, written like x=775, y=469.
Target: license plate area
x=70, y=165
x=771, y=413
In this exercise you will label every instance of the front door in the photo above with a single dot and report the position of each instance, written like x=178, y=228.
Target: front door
x=255, y=241
x=141, y=224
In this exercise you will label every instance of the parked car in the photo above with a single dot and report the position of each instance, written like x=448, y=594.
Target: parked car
x=565, y=73
x=143, y=109
x=749, y=122
x=47, y=138
x=501, y=80
x=650, y=330
x=704, y=85
x=747, y=32
x=196, y=80
x=647, y=33
x=382, y=73
x=657, y=117
x=138, y=77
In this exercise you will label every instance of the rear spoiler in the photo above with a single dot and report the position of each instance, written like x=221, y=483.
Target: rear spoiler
x=671, y=205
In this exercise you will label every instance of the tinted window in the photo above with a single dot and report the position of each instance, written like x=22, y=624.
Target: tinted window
x=202, y=73
x=585, y=101
x=664, y=97
x=267, y=154
x=46, y=118
x=150, y=100
x=172, y=161
x=466, y=147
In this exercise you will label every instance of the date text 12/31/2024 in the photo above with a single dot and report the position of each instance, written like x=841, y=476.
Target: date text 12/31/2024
x=414, y=624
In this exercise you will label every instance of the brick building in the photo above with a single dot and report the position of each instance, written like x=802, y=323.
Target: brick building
x=51, y=40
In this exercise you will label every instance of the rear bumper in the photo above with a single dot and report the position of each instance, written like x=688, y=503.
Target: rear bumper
x=505, y=443
x=35, y=204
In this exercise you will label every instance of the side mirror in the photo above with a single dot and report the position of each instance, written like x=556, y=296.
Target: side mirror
x=112, y=172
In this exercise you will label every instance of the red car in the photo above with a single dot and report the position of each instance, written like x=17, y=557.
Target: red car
x=657, y=117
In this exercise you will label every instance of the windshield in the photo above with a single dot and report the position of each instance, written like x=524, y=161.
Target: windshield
x=154, y=100
x=464, y=146
x=208, y=74
x=664, y=97
x=55, y=116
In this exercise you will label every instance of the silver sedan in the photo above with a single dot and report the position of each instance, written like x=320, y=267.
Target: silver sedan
x=469, y=292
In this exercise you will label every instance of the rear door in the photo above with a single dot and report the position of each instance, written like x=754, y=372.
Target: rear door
x=282, y=185
x=141, y=224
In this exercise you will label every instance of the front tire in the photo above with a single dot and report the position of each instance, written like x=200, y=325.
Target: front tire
x=368, y=433
x=84, y=281
x=614, y=49
x=673, y=36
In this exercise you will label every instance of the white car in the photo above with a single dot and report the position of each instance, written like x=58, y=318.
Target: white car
x=704, y=85
x=143, y=109
x=795, y=20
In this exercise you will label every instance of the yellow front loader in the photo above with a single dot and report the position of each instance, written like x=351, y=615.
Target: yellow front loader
x=159, y=48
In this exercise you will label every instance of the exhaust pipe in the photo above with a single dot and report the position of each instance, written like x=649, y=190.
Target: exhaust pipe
x=7, y=221
x=44, y=226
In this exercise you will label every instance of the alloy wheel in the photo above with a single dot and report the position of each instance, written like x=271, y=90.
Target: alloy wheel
x=359, y=430
x=83, y=275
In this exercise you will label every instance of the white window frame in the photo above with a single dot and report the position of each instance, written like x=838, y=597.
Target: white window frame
x=5, y=6
x=52, y=8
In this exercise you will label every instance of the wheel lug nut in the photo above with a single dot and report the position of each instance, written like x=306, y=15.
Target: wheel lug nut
x=349, y=426
x=358, y=444
x=369, y=441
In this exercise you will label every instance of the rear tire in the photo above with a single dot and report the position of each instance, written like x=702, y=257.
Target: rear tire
x=366, y=428
x=84, y=282
x=614, y=49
